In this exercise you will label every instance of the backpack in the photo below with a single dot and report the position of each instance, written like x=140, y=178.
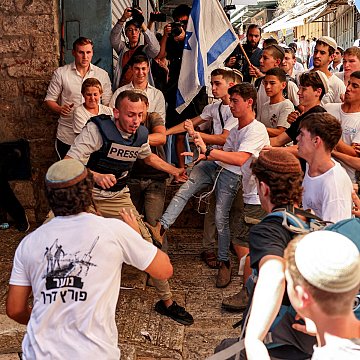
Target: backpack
x=351, y=229
x=295, y=225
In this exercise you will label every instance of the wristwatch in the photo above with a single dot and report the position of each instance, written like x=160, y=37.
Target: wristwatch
x=208, y=150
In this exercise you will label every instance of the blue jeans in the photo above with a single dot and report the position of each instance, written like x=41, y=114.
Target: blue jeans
x=201, y=176
x=227, y=185
x=226, y=189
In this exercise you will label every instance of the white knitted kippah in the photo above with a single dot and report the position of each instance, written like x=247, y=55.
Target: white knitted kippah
x=65, y=173
x=329, y=261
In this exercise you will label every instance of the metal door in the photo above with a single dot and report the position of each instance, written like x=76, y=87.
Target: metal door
x=91, y=19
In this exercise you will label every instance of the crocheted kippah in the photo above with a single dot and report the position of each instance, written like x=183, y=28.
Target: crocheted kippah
x=280, y=161
x=329, y=261
x=329, y=41
x=65, y=173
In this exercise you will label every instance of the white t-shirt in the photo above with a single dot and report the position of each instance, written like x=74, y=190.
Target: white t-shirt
x=251, y=139
x=262, y=98
x=338, y=349
x=210, y=114
x=328, y=194
x=155, y=97
x=73, y=265
x=275, y=115
x=350, y=124
x=81, y=116
x=336, y=88
x=65, y=88
x=340, y=75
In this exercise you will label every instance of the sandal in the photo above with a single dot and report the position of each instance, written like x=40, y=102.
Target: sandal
x=210, y=259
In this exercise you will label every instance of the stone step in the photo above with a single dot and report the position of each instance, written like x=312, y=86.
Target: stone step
x=11, y=334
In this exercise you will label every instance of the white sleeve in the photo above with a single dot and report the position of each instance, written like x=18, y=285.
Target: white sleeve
x=254, y=141
x=80, y=118
x=144, y=151
x=137, y=252
x=115, y=37
x=55, y=87
x=88, y=141
x=19, y=275
x=107, y=92
x=160, y=104
x=152, y=47
x=206, y=114
x=113, y=98
x=293, y=93
x=286, y=108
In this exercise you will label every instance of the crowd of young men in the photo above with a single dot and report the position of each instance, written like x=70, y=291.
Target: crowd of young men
x=311, y=113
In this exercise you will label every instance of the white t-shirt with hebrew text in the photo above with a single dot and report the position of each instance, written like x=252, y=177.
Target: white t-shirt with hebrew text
x=73, y=264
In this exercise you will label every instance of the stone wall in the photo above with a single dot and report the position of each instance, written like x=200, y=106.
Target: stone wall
x=29, y=53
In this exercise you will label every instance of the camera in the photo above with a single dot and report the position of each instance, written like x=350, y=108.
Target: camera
x=176, y=28
x=160, y=17
x=137, y=15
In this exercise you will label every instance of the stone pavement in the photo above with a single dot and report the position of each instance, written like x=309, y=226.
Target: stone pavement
x=193, y=285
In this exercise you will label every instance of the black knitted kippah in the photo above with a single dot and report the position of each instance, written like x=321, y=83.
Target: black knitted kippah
x=280, y=161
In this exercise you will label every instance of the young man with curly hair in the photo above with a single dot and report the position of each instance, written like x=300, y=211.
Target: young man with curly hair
x=72, y=266
x=278, y=177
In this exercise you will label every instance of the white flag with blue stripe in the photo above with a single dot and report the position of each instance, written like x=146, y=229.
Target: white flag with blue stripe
x=209, y=40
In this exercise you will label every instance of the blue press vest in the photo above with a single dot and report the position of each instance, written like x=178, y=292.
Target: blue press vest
x=117, y=155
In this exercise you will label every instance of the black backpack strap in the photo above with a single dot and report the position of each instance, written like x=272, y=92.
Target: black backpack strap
x=258, y=83
x=221, y=117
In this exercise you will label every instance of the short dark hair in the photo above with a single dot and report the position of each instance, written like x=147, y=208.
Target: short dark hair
x=228, y=75
x=132, y=22
x=268, y=42
x=312, y=79
x=253, y=26
x=355, y=74
x=279, y=73
x=82, y=41
x=137, y=59
x=331, y=49
x=324, y=125
x=246, y=91
x=181, y=10
x=276, y=51
x=71, y=200
x=293, y=46
x=341, y=50
x=133, y=96
x=290, y=50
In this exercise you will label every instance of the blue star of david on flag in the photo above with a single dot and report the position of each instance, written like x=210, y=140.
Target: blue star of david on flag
x=209, y=40
x=187, y=38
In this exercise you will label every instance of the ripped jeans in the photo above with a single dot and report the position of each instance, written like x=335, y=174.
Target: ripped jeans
x=227, y=186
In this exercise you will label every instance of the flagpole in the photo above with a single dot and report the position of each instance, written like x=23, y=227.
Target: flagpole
x=246, y=57
x=248, y=61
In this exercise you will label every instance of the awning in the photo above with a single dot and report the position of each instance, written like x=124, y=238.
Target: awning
x=296, y=16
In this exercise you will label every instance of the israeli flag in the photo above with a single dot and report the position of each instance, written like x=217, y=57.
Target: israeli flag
x=209, y=40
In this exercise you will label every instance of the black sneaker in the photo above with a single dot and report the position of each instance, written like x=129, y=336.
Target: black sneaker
x=175, y=312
